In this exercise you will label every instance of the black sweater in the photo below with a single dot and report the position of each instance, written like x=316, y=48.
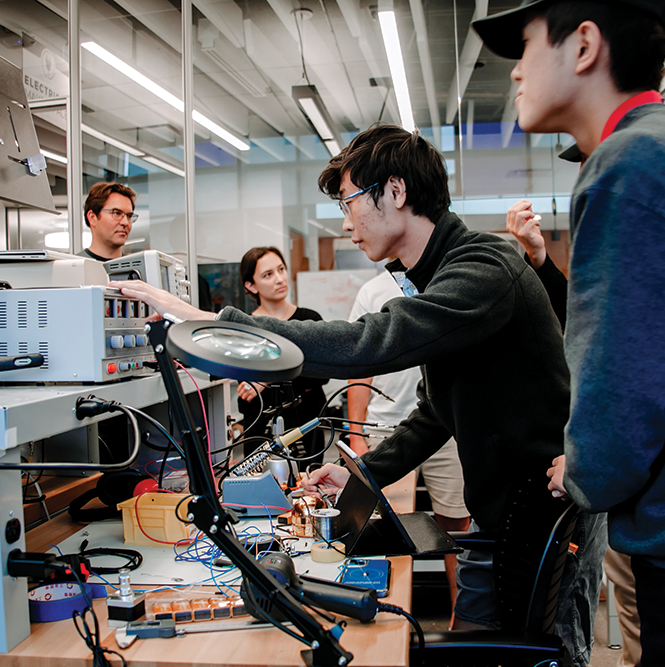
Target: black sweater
x=312, y=399
x=494, y=374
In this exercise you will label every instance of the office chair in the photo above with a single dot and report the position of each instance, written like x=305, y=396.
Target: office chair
x=528, y=554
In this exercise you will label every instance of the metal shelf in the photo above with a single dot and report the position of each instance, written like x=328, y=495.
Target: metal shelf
x=30, y=412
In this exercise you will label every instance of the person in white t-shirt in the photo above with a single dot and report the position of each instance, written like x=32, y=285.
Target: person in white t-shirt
x=442, y=472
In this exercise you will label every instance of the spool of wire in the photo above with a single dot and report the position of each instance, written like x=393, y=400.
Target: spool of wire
x=325, y=523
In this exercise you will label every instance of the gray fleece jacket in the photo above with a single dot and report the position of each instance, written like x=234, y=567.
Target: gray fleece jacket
x=491, y=352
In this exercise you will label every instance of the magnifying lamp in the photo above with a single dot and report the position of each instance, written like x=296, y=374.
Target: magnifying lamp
x=229, y=350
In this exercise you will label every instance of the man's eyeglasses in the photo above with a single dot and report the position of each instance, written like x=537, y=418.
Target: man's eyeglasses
x=118, y=216
x=344, y=207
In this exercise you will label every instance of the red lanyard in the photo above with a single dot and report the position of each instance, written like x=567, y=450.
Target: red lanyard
x=647, y=97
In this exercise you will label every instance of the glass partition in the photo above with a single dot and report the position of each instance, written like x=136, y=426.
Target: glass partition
x=276, y=92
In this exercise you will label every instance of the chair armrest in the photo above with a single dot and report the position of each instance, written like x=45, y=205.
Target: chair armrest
x=474, y=540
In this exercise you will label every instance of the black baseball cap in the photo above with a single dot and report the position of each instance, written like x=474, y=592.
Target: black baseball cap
x=572, y=154
x=502, y=33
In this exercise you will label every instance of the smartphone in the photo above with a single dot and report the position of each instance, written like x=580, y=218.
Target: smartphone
x=367, y=573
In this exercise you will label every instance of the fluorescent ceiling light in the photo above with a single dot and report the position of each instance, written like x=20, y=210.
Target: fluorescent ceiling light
x=333, y=147
x=164, y=165
x=133, y=74
x=317, y=118
x=397, y=71
x=162, y=93
x=311, y=104
x=219, y=131
x=110, y=140
x=53, y=156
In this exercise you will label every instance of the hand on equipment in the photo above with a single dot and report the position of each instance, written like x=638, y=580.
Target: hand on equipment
x=328, y=480
x=161, y=301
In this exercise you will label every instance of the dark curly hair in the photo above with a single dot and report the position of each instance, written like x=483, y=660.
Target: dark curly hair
x=383, y=151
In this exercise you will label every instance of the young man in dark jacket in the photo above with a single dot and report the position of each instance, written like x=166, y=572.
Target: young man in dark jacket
x=479, y=323
x=593, y=69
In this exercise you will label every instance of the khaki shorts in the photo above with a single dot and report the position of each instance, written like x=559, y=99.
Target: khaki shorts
x=442, y=473
x=444, y=481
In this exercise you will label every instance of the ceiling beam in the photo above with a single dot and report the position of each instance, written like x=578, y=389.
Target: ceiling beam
x=226, y=16
x=422, y=43
x=467, y=61
x=327, y=67
x=361, y=25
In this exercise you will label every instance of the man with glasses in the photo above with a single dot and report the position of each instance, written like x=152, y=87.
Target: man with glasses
x=109, y=212
x=477, y=320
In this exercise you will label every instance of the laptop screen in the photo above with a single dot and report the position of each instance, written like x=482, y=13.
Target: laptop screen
x=358, y=501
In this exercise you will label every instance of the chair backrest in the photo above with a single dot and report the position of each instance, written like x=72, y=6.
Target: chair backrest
x=530, y=555
x=543, y=606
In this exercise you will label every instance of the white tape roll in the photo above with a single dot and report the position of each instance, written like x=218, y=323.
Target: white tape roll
x=324, y=553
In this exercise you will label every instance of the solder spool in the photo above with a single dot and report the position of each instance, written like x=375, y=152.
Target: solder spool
x=325, y=523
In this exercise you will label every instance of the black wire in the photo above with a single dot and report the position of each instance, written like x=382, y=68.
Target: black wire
x=360, y=433
x=242, y=437
x=282, y=455
x=220, y=450
x=106, y=447
x=160, y=479
x=177, y=508
x=160, y=428
x=226, y=473
x=251, y=438
x=253, y=424
x=30, y=480
x=350, y=421
x=145, y=439
x=302, y=51
x=133, y=558
x=315, y=456
x=394, y=609
x=346, y=388
x=330, y=543
x=88, y=466
x=92, y=637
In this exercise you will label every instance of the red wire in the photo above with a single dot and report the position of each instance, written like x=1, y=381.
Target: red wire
x=203, y=409
x=153, y=539
x=270, y=507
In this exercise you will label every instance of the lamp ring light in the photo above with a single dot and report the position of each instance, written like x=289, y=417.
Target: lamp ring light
x=235, y=351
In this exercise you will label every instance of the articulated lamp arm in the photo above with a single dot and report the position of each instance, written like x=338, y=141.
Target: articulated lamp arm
x=210, y=517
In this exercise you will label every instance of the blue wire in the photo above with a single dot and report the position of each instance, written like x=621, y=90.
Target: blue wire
x=108, y=583
x=57, y=548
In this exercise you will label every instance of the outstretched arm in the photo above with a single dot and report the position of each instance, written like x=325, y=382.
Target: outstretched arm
x=161, y=301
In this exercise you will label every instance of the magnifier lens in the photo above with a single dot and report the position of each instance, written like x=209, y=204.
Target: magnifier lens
x=236, y=344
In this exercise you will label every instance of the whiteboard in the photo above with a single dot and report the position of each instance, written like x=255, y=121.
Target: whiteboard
x=331, y=293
